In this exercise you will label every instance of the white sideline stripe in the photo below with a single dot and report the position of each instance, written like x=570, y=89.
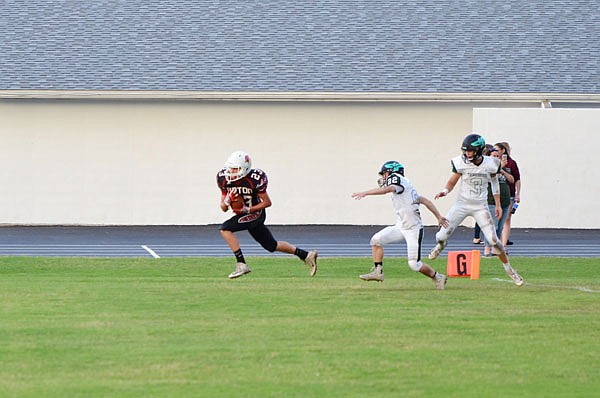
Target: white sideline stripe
x=581, y=289
x=152, y=253
x=65, y=246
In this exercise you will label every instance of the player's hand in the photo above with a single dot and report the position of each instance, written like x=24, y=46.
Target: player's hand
x=443, y=222
x=358, y=195
x=230, y=197
x=242, y=210
x=440, y=194
x=498, y=211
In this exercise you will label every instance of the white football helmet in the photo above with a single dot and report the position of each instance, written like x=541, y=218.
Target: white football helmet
x=237, y=166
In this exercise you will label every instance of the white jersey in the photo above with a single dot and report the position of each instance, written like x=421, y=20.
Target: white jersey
x=405, y=200
x=475, y=179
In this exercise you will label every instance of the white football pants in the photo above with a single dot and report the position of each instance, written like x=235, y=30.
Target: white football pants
x=461, y=210
x=395, y=234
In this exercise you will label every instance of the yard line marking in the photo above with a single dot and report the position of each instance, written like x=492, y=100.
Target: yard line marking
x=152, y=253
x=580, y=288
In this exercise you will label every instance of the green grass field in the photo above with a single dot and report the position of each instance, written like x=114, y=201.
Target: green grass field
x=178, y=327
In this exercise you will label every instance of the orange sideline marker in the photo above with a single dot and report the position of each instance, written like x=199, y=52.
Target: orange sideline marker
x=463, y=263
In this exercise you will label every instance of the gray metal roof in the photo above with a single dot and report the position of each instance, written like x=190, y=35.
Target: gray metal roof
x=445, y=46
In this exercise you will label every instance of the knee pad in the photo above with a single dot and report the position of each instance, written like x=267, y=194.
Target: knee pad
x=495, y=241
x=489, y=231
x=375, y=241
x=415, y=265
x=498, y=246
x=441, y=235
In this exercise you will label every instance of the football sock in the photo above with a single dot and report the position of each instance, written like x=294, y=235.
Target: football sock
x=239, y=256
x=301, y=253
x=378, y=264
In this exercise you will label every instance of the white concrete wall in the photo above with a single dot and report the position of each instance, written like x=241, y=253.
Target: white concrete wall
x=154, y=162
x=557, y=157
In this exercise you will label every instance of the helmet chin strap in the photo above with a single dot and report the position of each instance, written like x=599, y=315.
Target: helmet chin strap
x=476, y=160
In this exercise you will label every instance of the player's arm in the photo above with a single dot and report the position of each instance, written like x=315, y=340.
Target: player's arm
x=225, y=201
x=391, y=183
x=225, y=196
x=375, y=191
x=265, y=201
x=449, y=185
x=496, y=194
x=442, y=221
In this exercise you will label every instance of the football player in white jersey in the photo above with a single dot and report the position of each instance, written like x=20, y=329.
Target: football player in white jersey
x=409, y=226
x=475, y=171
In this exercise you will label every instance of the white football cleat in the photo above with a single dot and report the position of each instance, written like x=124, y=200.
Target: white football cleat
x=516, y=278
x=437, y=249
x=311, y=261
x=240, y=269
x=440, y=281
x=376, y=274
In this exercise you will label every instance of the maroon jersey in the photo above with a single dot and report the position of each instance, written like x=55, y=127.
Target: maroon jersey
x=249, y=187
x=513, y=169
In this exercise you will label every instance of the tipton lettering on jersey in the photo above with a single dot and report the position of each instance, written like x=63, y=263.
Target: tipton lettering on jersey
x=240, y=190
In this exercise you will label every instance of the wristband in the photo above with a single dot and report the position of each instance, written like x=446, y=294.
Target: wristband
x=445, y=191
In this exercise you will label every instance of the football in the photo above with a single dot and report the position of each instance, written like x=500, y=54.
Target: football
x=237, y=204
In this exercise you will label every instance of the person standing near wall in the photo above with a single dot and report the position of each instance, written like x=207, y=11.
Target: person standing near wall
x=515, y=187
x=504, y=178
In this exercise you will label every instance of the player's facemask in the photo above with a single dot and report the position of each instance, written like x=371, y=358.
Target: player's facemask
x=233, y=174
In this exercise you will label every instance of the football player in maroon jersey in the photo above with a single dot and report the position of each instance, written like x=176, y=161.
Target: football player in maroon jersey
x=244, y=190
